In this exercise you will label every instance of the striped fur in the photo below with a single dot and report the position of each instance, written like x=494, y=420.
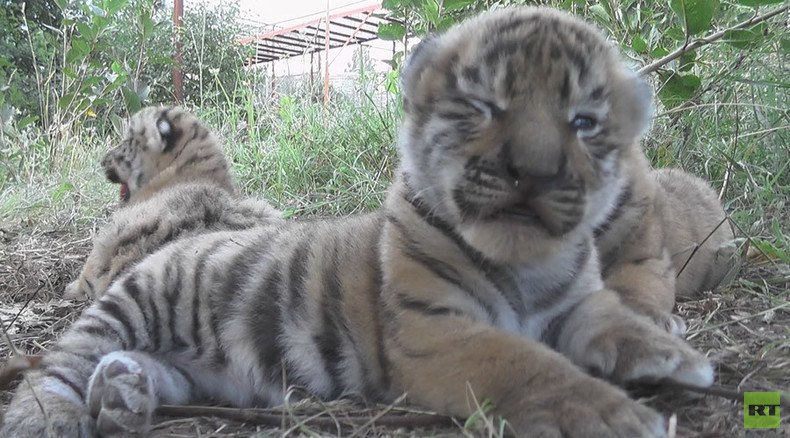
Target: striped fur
x=478, y=278
x=175, y=183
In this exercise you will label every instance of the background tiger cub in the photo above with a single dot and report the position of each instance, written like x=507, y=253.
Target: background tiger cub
x=479, y=277
x=661, y=217
x=699, y=238
x=175, y=182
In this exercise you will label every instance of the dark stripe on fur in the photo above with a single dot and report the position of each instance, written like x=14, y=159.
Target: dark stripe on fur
x=133, y=291
x=197, y=291
x=439, y=268
x=264, y=319
x=379, y=389
x=296, y=275
x=119, y=314
x=495, y=274
x=328, y=340
x=172, y=294
x=133, y=237
x=623, y=199
x=49, y=372
x=102, y=330
x=425, y=307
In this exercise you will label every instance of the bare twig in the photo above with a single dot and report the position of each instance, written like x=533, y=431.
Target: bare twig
x=719, y=391
x=709, y=39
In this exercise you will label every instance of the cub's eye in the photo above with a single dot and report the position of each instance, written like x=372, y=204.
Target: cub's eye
x=584, y=123
x=490, y=109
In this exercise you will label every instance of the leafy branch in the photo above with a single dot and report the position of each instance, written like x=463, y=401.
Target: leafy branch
x=653, y=67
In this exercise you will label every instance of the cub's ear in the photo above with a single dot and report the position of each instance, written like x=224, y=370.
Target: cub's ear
x=166, y=132
x=633, y=98
x=416, y=64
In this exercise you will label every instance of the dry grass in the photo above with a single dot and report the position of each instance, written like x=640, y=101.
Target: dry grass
x=743, y=327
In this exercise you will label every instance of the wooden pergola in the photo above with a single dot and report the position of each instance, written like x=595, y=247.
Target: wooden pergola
x=338, y=30
x=332, y=31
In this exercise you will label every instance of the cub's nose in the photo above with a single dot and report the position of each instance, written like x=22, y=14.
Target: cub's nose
x=531, y=182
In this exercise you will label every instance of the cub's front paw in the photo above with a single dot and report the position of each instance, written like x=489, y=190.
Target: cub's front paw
x=589, y=408
x=635, y=349
x=73, y=292
x=671, y=323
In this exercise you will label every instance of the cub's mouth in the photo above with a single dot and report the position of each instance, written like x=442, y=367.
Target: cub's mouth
x=124, y=195
x=519, y=212
x=556, y=219
x=113, y=177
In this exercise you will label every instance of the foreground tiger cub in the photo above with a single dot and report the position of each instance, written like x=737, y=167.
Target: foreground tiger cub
x=175, y=182
x=478, y=278
x=667, y=237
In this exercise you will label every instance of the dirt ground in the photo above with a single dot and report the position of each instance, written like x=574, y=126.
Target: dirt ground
x=744, y=327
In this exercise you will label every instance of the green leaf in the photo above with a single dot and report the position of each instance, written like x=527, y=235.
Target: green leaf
x=678, y=89
x=773, y=251
x=658, y=52
x=445, y=23
x=89, y=82
x=73, y=55
x=430, y=11
x=117, y=68
x=81, y=46
x=696, y=15
x=599, y=12
x=86, y=32
x=391, y=31
x=745, y=38
x=113, y=6
x=61, y=4
x=675, y=33
x=686, y=61
x=65, y=100
x=454, y=5
x=638, y=44
x=117, y=123
x=27, y=120
x=146, y=25
x=756, y=3
x=131, y=99
x=68, y=71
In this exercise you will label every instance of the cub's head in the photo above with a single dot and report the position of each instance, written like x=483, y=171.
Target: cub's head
x=155, y=137
x=517, y=122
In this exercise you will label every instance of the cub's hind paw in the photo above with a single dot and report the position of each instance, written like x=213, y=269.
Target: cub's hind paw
x=121, y=397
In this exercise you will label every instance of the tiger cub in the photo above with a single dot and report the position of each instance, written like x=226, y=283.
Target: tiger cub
x=664, y=219
x=698, y=235
x=479, y=277
x=175, y=182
